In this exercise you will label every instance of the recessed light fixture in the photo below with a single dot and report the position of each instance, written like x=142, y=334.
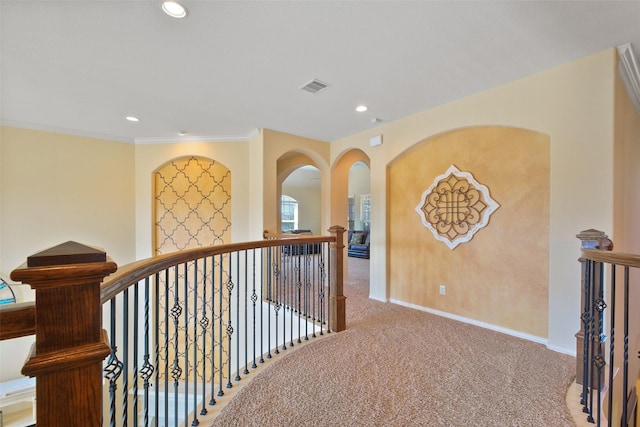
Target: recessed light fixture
x=361, y=108
x=132, y=119
x=174, y=9
x=183, y=133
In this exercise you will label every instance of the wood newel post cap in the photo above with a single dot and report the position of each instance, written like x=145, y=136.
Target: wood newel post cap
x=338, y=231
x=594, y=239
x=69, y=263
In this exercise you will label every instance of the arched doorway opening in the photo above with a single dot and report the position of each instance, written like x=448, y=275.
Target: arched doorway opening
x=301, y=177
x=350, y=199
x=301, y=201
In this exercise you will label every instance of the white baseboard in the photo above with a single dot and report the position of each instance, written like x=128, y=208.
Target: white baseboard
x=507, y=331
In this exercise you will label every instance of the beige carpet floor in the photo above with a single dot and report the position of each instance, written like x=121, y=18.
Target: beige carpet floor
x=395, y=366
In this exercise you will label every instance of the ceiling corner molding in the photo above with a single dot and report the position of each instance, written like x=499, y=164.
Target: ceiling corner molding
x=179, y=139
x=65, y=131
x=630, y=73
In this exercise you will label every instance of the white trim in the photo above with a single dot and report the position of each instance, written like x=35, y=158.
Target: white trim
x=191, y=138
x=151, y=140
x=55, y=129
x=630, y=73
x=474, y=322
x=562, y=350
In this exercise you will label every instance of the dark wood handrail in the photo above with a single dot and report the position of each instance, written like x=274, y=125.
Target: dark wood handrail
x=618, y=258
x=132, y=273
x=17, y=320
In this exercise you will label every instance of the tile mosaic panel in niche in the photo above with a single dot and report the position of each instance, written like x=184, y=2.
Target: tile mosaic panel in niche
x=455, y=207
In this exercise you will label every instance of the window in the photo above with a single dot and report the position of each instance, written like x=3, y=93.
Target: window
x=289, y=213
x=366, y=212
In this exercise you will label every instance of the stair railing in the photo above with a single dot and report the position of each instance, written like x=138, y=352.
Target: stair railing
x=610, y=285
x=178, y=329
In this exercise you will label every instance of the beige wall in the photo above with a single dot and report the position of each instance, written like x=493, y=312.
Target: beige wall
x=573, y=105
x=57, y=188
x=626, y=231
x=309, y=207
x=501, y=276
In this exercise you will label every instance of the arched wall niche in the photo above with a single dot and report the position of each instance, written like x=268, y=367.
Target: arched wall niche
x=500, y=276
x=191, y=204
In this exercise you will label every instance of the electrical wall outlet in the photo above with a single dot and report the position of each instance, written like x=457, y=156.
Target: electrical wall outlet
x=443, y=289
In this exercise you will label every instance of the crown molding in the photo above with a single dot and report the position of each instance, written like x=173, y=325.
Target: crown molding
x=630, y=73
x=66, y=131
x=108, y=137
x=193, y=138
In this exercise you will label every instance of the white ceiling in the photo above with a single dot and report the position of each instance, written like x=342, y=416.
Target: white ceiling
x=232, y=67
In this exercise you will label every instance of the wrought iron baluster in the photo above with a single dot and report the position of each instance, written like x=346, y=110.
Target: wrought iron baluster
x=625, y=363
x=185, y=287
x=212, y=401
x=204, y=324
x=156, y=352
x=195, y=421
x=324, y=302
x=113, y=369
x=268, y=292
x=612, y=320
x=125, y=356
x=254, y=299
x=230, y=287
x=589, y=341
x=134, y=361
x=220, y=334
x=599, y=306
x=246, y=312
x=176, y=370
x=276, y=305
x=166, y=347
x=585, y=322
x=300, y=292
x=237, y=316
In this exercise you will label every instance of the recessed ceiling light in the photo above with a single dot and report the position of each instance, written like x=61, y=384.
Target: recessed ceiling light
x=174, y=9
x=132, y=119
x=361, y=108
x=183, y=133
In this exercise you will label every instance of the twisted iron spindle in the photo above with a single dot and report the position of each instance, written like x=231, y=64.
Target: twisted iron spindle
x=212, y=401
x=254, y=299
x=204, y=324
x=230, y=286
x=221, y=297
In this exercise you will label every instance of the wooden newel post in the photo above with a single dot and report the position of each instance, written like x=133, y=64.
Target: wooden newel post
x=70, y=345
x=337, y=300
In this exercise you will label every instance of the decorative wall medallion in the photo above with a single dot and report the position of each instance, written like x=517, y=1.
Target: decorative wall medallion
x=455, y=207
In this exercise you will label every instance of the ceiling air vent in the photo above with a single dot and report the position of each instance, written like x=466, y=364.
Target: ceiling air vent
x=315, y=86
